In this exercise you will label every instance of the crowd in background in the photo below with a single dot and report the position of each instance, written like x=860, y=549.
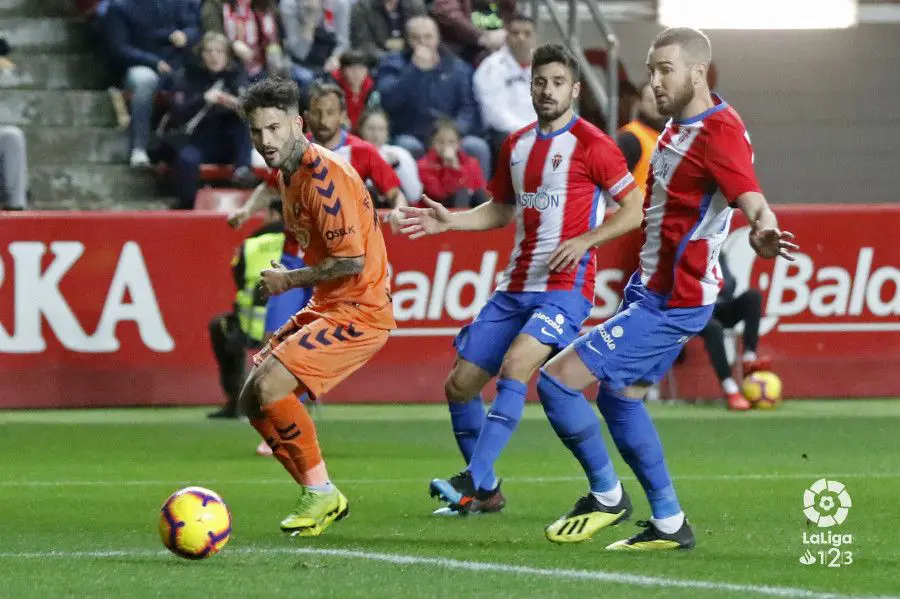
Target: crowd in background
x=435, y=88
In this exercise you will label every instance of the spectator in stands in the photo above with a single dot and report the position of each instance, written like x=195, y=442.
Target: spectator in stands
x=252, y=28
x=425, y=83
x=13, y=158
x=150, y=41
x=374, y=128
x=473, y=28
x=377, y=26
x=357, y=84
x=449, y=175
x=502, y=83
x=729, y=311
x=637, y=139
x=325, y=117
x=205, y=102
x=316, y=33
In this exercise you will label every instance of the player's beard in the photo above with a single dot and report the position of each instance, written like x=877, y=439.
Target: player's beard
x=678, y=100
x=548, y=114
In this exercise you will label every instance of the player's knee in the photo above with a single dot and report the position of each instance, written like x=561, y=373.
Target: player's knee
x=517, y=367
x=455, y=389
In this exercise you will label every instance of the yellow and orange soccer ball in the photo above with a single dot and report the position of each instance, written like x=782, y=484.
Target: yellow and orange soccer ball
x=762, y=389
x=194, y=523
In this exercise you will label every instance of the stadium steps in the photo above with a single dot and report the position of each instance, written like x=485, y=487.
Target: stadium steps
x=34, y=8
x=48, y=71
x=93, y=187
x=57, y=94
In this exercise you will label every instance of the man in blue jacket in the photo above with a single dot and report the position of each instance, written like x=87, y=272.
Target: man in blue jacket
x=426, y=83
x=149, y=41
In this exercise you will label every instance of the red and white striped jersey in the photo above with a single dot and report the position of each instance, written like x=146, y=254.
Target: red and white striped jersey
x=367, y=161
x=556, y=182
x=685, y=220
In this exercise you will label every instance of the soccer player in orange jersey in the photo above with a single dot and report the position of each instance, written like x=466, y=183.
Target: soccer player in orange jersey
x=328, y=210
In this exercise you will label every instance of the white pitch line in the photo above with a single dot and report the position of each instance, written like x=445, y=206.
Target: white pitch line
x=389, y=481
x=473, y=566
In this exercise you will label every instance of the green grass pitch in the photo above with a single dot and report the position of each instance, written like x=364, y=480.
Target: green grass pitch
x=80, y=493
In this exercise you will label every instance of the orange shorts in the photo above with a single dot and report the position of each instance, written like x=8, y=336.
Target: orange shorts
x=322, y=349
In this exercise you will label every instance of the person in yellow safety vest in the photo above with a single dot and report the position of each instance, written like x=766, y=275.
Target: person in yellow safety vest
x=637, y=139
x=233, y=333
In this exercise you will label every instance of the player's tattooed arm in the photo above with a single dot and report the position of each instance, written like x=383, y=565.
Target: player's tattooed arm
x=279, y=279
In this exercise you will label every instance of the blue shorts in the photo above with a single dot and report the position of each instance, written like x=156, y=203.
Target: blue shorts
x=281, y=307
x=552, y=317
x=642, y=341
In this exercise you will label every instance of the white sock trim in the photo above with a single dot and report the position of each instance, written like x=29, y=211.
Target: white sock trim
x=670, y=524
x=611, y=497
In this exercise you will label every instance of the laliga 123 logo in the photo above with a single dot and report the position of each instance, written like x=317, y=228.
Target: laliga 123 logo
x=826, y=503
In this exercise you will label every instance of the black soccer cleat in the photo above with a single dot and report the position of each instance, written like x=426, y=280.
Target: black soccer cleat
x=463, y=498
x=653, y=539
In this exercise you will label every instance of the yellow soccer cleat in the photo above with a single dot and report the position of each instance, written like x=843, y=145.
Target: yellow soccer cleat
x=653, y=539
x=314, y=512
x=586, y=518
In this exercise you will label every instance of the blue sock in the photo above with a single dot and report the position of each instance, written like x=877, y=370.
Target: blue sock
x=637, y=441
x=578, y=427
x=501, y=421
x=467, y=419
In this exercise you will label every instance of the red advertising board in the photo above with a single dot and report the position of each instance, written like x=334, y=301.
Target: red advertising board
x=104, y=309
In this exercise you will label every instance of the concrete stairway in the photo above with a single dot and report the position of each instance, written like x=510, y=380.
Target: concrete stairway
x=57, y=95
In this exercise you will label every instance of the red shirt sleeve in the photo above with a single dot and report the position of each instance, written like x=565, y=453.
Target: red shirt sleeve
x=439, y=183
x=474, y=174
x=500, y=187
x=380, y=171
x=608, y=169
x=729, y=158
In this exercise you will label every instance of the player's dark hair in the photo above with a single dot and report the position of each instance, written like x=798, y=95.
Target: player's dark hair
x=321, y=89
x=271, y=92
x=692, y=41
x=444, y=123
x=550, y=53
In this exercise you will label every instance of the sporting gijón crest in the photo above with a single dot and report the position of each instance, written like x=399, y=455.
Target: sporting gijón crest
x=557, y=160
x=327, y=337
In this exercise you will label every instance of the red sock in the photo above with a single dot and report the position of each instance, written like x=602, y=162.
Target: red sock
x=296, y=432
x=267, y=431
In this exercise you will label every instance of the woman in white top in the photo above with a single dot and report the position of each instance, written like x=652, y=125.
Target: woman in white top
x=373, y=127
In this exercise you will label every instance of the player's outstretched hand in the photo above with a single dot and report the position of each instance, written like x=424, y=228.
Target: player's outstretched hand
x=568, y=254
x=275, y=280
x=393, y=218
x=419, y=222
x=770, y=243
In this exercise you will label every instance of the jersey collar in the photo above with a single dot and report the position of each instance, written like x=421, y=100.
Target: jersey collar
x=720, y=105
x=553, y=134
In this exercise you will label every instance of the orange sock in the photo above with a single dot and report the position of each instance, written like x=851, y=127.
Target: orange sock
x=267, y=431
x=297, y=434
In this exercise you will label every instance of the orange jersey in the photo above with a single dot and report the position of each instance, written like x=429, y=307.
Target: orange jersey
x=329, y=211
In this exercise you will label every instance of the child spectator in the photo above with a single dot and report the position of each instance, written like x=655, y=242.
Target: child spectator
x=150, y=42
x=451, y=176
x=358, y=85
x=374, y=128
x=206, y=103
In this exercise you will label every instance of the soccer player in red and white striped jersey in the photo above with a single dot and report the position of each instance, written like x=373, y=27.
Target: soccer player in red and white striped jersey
x=550, y=181
x=701, y=169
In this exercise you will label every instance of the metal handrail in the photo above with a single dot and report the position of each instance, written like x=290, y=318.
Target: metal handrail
x=608, y=96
